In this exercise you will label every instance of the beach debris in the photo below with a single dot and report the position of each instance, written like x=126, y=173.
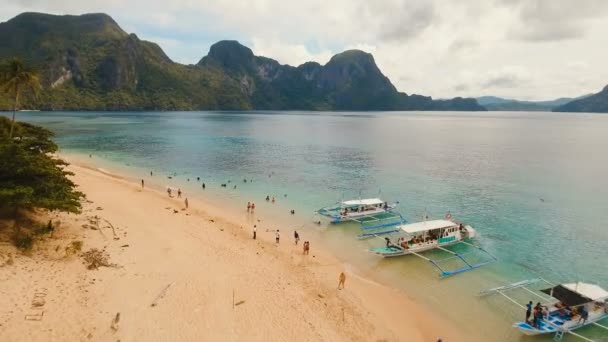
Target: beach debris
x=114, y=325
x=113, y=230
x=239, y=303
x=123, y=246
x=320, y=295
x=94, y=258
x=73, y=248
x=161, y=294
x=99, y=208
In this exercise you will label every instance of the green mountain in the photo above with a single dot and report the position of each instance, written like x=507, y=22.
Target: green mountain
x=596, y=103
x=88, y=62
x=494, y=103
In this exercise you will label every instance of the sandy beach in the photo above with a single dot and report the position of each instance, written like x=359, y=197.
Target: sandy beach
x=191, y=275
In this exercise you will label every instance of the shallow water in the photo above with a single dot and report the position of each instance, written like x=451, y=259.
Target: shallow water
x=533, y=184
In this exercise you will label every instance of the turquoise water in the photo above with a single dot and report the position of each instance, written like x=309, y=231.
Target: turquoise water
x=533, y=184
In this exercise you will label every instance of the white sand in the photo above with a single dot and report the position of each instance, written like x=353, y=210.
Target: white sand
x=281, y=294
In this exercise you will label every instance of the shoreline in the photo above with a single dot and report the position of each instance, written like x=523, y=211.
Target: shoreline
x=285, y=295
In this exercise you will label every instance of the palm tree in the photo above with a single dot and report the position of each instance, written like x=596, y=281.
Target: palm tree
x=15, y=77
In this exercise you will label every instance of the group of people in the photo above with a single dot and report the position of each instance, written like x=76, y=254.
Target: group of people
x=537, y=314
x=250, y=207
x=268, y=198
x=534, y=316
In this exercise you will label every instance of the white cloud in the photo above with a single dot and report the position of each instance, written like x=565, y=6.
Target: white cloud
x=430, y=47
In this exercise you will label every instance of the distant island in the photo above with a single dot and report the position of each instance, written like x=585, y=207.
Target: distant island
x=494, y=103
x=88, y=62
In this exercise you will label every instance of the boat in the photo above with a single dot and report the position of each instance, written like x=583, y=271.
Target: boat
x=566, y=307
x=415, y=238
x=357, y=210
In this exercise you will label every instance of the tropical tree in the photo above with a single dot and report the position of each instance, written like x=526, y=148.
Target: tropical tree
x=31, y=177
x=16, y=77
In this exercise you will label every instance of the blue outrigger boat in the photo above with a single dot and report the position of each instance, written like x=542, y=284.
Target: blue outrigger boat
x=565, y=307
x=375, y=216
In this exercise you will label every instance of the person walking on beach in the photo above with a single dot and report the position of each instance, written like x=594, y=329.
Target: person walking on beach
x=306, y=247
x=248, y=206
x=528, y=311
x=179, y=193
x=278, y=236
x=342, y=280
x=255, y=231
x=252, y=207
x=296, y=236
x=142, y=183
x=169, y=192
x=186, y=202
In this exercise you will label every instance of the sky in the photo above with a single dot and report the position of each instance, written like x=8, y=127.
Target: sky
x=523, y=49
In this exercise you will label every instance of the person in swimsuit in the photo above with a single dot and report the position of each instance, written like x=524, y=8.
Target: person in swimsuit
x=341, y=280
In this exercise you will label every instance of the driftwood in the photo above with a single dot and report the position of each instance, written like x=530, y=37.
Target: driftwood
x=113, y=230
x=160, y=295
x=115, y=321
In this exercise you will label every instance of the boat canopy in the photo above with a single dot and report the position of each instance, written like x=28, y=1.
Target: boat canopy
x=577, y=293
x=426, y=225
x=368, y=201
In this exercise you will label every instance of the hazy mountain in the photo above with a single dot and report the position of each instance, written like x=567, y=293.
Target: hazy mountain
x=596, y=103
x=494, y=103
x=88, y=62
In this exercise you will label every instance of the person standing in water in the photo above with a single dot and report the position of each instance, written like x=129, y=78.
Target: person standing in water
x=186, y=202
x=296, y=236
x=203, y=186
x=248, y=206
x=142, y=183
x=342, y=280
x=278, y=237
x=179, y=193
x=252, y=207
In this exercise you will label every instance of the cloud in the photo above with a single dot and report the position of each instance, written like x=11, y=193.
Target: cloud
x=551, y=20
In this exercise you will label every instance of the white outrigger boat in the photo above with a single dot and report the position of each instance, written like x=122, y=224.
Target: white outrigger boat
x=376, y=217
x=423, y=236
x=355, y=210
x=567, y=307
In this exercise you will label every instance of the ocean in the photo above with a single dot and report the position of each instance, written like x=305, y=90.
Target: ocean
x=533, y=185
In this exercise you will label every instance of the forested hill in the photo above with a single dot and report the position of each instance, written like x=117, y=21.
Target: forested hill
x=88, y=62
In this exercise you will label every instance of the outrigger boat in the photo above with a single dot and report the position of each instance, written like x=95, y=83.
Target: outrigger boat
x=423, y=236
x=567, y=307
x=355, y=210
x=376, y=217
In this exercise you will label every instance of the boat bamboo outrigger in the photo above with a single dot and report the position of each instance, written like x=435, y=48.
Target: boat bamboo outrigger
x=423, y=236
x=567, y=307
x=357, y=210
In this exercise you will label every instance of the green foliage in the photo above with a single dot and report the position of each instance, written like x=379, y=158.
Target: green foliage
x=22, y=239
x=30, y=177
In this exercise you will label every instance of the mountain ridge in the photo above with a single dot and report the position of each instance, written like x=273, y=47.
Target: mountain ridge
x=88, y=62
x=595, y=103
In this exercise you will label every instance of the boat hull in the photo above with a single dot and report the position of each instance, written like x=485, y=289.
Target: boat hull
x=390, y=252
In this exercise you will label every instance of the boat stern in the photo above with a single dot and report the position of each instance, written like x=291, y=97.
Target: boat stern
x=469, y=232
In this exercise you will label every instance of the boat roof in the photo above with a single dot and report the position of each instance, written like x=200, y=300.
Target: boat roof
x=367, y=201
x=577, y=293
x=426, y=225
